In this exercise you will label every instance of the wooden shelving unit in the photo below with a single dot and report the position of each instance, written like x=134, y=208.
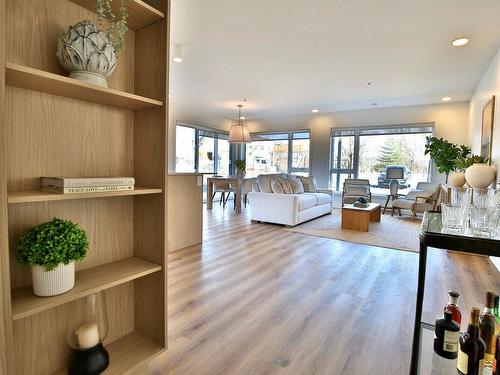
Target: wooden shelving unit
x=41, y=196
x=89, y=281
x=128, y=354
x=42, y=133
x=141, y=14
x=50, y=83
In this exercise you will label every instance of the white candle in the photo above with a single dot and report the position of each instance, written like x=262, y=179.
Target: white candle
x=88, y=336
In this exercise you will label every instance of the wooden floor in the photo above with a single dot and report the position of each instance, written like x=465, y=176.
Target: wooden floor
x=255, y=299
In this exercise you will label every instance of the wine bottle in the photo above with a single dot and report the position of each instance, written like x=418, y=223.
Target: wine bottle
x=452, y=306
x=496, y=368
x=447, y=333
x=496, y=309
x=471, y=348
x=487, y=327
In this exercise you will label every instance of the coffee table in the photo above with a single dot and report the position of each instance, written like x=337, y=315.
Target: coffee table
x=358, y=218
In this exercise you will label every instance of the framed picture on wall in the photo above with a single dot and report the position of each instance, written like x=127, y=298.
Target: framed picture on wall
x=487, y=128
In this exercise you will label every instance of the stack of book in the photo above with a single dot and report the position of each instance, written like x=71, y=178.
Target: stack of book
x=75, y=185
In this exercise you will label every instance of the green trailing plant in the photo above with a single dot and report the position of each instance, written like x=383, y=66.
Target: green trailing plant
x=240, y=164
x=117, y=26
x=445, y=154
x=49, y=244
x=465, y=162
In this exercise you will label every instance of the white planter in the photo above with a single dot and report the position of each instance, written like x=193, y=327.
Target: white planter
x=86, y=53
x=456, y=179
x=479, y=176
x=52, y=283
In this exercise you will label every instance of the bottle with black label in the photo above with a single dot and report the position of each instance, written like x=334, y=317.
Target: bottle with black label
x=471, y=348
x=447, y=333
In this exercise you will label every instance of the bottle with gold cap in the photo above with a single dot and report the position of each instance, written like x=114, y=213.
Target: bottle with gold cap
x=487, y=330
x=471, y=348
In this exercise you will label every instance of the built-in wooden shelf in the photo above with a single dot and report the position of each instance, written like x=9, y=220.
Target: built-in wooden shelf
x=127, y=354
x=89, y=281
x=55, y=84
x=140, y=14
x=42, y=196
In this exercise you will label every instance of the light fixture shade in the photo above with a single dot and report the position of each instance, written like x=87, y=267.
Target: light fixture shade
x=239, y=131
x=239, y=134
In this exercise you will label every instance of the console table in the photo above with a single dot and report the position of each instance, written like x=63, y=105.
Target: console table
x=431, y=236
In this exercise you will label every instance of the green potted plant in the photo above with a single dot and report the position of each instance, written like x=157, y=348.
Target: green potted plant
x=51, y=250
x=240, y=168
x=445, y=154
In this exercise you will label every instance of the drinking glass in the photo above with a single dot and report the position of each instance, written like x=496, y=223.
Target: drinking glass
x=454, y=217
x=484, y=221
x=483, y=198
x=461, y=196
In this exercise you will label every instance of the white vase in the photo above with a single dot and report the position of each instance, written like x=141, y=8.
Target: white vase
x=84, y=49
x=51, y=283
x=479, y=176
x=456, y=179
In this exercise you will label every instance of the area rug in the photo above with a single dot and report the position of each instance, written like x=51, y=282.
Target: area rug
x=398, y=232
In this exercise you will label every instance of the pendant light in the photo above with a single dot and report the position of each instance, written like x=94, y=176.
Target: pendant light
x=239, y=130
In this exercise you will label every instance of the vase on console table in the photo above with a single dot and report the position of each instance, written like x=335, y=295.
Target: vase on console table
x=456, y=179
x=479, y=175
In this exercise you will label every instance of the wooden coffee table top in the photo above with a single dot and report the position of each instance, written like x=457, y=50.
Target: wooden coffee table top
x=371, y=207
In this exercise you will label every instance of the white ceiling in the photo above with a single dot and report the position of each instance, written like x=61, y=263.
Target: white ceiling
x=289, y=56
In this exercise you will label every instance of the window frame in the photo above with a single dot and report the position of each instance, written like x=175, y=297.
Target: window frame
x=289, y=138
x=357, y=132
x=200, y=131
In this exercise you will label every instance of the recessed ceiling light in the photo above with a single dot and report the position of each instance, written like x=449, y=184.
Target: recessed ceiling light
x=446, y=99
x=242, y=117
x=315, y=110
x=178, y=59
x=459, y=42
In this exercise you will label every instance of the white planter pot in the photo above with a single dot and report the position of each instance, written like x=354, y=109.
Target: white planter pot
x=51, y=283
x=456, y=179
x=479, y=176
x=86, y=53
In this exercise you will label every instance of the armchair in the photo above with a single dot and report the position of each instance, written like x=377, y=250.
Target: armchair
x=354, y=189
x=424, y=198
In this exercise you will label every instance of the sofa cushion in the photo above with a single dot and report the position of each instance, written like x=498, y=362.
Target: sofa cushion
x=276, y=187
x=307, y=201
x=309, y=184
x=264, y=181
x=296, y=184
x=323, y=198
x=287, y=189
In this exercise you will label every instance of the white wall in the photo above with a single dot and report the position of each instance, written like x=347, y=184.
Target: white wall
x=451, y=122
x=488, y=86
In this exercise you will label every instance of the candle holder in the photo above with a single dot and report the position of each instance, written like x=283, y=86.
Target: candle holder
x=86, y=334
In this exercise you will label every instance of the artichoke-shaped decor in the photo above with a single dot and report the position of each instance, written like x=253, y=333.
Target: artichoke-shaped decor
x=86, y=53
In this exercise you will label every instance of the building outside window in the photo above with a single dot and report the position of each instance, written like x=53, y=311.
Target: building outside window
x=284, y=152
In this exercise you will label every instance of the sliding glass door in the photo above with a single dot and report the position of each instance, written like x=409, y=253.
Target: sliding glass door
x=343, y=154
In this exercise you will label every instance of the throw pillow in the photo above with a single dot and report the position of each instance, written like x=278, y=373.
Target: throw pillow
x=287, y=189
x=309, y=184
x=276, y=187
x=296, y=184
x=355, y=189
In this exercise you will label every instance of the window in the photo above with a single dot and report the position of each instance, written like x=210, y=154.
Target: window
x=366, y=152
x=201, y=150
x=184, y=149
x=278, y=152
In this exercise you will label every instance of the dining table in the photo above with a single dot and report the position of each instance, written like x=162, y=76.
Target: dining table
x=235, y=181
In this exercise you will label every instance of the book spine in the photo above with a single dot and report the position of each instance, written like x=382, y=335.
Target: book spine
x=87, y=182
x=88, y=189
